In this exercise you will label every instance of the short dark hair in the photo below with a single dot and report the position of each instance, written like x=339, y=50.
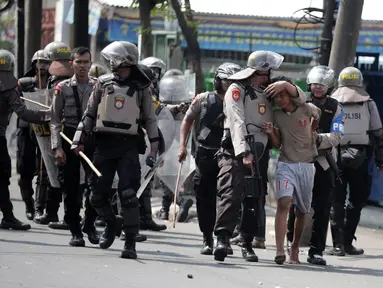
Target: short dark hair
x=79, y=51
x=281, y=78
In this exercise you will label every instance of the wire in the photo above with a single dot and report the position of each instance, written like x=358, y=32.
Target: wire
x=307, y=18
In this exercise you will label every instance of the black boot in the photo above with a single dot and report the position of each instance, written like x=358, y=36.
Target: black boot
x=38, y=214
x=229, y=249
x=146, y=220
x=10, y=222
x=59, y=225
x=338, y=251
x=129, y=251
x=208, y=244
x=100, y=222
x=352, y=250
x=90, y=229
x=220, y=252
x=109, y=234
x=167, y=200
x=248, y=253
x=139, y=237
x=184, y=210
x=77, y=240
x=45, y=219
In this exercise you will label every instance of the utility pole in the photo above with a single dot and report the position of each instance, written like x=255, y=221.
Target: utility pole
x=326, y=38
x=34, y=12
x=346, y=34
x=80, y=25
x=20, y=30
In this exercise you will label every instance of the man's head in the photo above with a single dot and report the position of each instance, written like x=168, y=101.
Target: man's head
x=259, y=66
x=41, y=62
x=80, y=61
x=223, y=72
x=283, y=99
x=320, y=81
x=59, y=55
x=157, y=65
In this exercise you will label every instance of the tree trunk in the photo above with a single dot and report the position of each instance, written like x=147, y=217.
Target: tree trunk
x=145, y=8
x=191, y=38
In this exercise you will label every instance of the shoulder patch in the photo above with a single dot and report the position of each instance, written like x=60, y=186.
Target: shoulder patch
x=57, y=89
x=236, y=94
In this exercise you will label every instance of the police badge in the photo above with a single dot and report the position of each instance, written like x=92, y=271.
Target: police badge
x=119, y=102
x=262, y=108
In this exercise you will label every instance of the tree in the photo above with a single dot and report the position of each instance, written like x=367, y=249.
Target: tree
x=186, y=23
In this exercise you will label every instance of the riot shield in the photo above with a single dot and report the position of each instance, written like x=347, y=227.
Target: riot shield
x=167, y=126
x=11, y=135
x=43, y=135
x=177, y=89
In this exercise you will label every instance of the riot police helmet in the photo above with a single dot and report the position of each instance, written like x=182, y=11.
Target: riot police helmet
x=223, y=72
x=40, y=56
x=96, y=70
x=7, y=60
x=157, y=65
x=350, y=76
x=119, y=53
x=43, y=60
x=59, y=55
x=322, y=75
x=173, y=72
x=261, y=62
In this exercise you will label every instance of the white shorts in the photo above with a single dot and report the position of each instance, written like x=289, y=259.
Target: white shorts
x=296, y=180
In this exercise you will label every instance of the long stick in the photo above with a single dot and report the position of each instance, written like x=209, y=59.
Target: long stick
x=35, y=102
x=83, y=156
x=177, y=184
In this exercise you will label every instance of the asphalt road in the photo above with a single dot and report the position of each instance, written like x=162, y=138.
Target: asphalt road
x=42, y=258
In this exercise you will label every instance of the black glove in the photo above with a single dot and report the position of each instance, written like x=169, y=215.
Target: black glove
x=150, y=161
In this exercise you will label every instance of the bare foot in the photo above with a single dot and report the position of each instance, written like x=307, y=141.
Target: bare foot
x=294, y=255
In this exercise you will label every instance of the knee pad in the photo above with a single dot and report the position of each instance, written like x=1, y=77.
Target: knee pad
x=129, y=198
x=97, y=200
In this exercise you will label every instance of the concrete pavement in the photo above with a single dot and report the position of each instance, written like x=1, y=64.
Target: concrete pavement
x=41, y=258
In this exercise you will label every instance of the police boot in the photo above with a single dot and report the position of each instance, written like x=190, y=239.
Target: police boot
x=45, y=219
x=146, y=220
x=129, y=251
x=109, y=233
x=77, y=239
x=139, y=237
x=220, y=252
x=247, y=250
x=59, y=225
x=9, y=221
x=164, y=212
x=351, y=249
x=208, y=244
x=38, y=215
x=338, y=240
x=237, y=240
x=184, y=209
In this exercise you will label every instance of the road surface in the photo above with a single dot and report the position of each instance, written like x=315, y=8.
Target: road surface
x=41, y=258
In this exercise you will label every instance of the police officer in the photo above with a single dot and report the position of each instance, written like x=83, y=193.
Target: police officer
x=113, y=113
x=320, y=82
x=10, y=102
x=207, y=112
x=27, y=149
x=68, y=105
x=59, y=55
x=246, y=108
x=363, y=127
x=97, y=70
x=158, y=68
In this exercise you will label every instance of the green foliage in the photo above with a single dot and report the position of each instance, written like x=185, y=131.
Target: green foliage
x=5, y=21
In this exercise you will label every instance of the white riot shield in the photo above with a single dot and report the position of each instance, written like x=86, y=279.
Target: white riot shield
x=177, y=89
x=11, y=135
x=43, y=136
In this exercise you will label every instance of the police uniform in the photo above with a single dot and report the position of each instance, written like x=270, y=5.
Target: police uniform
x=246, y=109
x=113, y=114
x=362, y=128
x=10, y=102
x=68, y=104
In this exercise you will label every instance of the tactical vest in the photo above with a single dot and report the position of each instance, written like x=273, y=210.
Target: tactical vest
x=210, y=129
x=328, y=110
x=119, y=110
x=357, y=123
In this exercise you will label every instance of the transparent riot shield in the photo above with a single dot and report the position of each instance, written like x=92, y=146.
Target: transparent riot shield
x=167, y=126
x=177, y=89
x=43, y=135
x=11, y=135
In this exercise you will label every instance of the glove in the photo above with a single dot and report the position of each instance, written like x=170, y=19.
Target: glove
x=150, y=161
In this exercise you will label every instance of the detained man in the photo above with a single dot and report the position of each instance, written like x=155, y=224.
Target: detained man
x=292, y=132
